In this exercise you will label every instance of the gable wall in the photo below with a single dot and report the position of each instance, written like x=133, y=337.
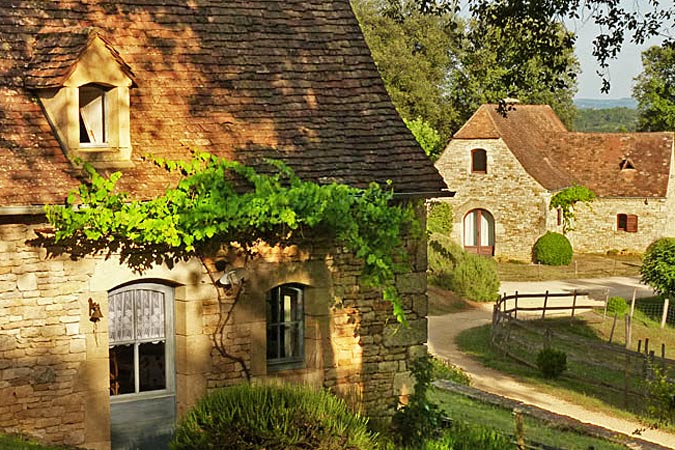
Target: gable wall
x=517, y=202
x=54, y=366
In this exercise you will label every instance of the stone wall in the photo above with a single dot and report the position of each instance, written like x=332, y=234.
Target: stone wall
x=516, y=201
x=595, y=227
x=54, y=366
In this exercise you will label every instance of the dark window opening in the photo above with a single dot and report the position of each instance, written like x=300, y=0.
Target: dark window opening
x=627, y=222
x=285, y=326
x=478, y=161
x=626, y=164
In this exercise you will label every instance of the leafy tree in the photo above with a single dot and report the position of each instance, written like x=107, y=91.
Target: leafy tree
x=532, y=25
x=413, y=52
x=426, y=136
x=655, y=89
x=566, y=199
x=658, y=266
x=490, y=62
x=442, y=68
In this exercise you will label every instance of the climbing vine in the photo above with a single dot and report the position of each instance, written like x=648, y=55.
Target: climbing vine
x=566, y=199
x=217, y=202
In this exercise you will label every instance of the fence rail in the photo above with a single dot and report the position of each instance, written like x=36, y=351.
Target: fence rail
x=596, y=363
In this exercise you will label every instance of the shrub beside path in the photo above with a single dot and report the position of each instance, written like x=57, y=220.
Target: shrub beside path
x=443, y=330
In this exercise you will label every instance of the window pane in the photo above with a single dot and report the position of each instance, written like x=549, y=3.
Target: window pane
x=291, y=341
x=149, y=314
x=92, y=114
x=122, y=369
x=479, y=161
x=151, y=366
x=121, y=317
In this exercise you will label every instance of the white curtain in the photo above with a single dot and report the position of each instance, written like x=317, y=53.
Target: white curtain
x=136, y=315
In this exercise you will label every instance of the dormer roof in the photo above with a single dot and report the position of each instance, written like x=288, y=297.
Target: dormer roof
x=57, y=57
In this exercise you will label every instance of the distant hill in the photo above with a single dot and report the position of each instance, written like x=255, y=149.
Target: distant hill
x=599, y=103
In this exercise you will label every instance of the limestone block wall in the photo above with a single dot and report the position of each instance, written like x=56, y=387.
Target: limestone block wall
x=595, y=228
x=516, y=201
x=54, y=365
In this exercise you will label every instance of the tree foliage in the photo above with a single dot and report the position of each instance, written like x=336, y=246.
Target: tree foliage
x=217, y=202
x=606, y=120
x=655, y=89
x=658, y=266
x=532, y=24
x=426, y=136
x=441, y=67
x=566, y=199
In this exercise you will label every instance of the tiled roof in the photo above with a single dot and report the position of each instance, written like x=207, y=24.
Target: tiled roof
x=557, y=158
x=243, y=79
x=55, y=55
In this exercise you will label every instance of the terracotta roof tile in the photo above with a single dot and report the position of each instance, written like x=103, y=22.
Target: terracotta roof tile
x=557, y=158
x=243, y=79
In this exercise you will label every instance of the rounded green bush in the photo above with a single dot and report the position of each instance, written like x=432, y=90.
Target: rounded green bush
x=553, y=249
x=475, y=278
x=552, y=363
x=617, y=305
x=273, y=417
x=658, y=266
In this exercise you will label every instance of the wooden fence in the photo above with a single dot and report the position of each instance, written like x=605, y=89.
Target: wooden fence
x=599, y=365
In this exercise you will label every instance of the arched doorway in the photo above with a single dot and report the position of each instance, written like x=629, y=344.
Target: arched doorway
x=479, y=232
x=142, y=373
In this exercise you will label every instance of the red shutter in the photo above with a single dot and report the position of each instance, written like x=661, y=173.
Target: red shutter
x=631, y=223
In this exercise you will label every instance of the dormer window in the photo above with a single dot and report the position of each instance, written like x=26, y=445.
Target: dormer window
x=93, y=110
x=626, y=164
x=83, y=85
x=478, y=161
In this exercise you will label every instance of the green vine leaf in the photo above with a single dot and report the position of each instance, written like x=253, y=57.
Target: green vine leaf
x=219, y=202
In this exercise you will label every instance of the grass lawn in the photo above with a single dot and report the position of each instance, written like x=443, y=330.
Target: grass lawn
x=583, y=266
x=460, y=407
x=14, y=442
x=581, y=359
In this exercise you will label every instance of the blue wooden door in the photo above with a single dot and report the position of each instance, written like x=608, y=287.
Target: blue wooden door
x=142, y=374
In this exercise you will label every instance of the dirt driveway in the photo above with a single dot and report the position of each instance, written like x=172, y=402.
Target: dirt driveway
x=444, y=328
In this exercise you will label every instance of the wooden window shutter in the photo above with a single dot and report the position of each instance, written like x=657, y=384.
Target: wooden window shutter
x=631, y=223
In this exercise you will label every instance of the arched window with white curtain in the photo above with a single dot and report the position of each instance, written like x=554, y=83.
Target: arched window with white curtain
x=479, y=232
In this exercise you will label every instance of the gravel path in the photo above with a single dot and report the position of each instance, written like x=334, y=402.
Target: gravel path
x=444, y=329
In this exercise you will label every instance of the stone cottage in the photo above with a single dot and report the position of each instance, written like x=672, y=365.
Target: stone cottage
x=108, y=82
x=506, y=169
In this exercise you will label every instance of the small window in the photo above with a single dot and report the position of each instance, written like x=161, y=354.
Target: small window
x=92, y=112
x=285, y=327
x=478, y=161
x=559, y=210
x=626, y=164
x=627, y=222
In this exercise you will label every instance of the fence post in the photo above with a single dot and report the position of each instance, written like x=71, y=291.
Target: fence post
x=543, y=311
x=629, y=331
x=663, y=351
x=611, y=333
x=664, y=316
x=574, y=302
x=604, y=314
x=515, y=308
x=520, y=429
x=632, y=302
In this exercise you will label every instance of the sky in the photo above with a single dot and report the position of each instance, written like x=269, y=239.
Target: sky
x=622, y=70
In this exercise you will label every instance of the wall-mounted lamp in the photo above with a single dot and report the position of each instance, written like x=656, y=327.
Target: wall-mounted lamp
x=231, y=278
x=94, y=311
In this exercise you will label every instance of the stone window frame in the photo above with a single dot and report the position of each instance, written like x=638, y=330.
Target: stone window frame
x=627, y=222
x=479, y=161
x=272, y=301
